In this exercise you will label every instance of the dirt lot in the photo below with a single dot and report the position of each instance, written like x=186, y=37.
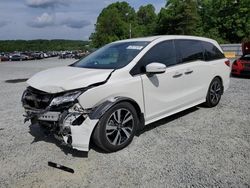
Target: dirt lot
x=199, y=147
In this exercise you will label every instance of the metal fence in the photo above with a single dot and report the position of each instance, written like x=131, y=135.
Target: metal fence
x=232, y=48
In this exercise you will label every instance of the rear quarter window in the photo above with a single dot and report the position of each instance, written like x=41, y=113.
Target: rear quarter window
x=211, y=52
x=189, y=50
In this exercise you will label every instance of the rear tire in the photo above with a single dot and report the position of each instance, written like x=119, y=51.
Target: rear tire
x=116, y=128
x=214, y=93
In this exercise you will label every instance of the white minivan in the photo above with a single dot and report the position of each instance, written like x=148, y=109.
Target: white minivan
x=114, y=92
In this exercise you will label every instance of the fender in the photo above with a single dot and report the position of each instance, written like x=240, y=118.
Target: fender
x=101, y=109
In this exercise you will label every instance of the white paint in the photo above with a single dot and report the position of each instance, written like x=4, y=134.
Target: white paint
x=155, y=68
x=158, y=95
x=67, y=78
x=81, y=134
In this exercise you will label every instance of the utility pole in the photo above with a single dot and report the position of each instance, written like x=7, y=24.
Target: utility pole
x=130, y=29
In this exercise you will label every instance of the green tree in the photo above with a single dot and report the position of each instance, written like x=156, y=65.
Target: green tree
x=41, y=45
x=113, y=23
x=208, y=11
x=179, y=17
x=146, y=19
x=222, y=20
x=226, y=20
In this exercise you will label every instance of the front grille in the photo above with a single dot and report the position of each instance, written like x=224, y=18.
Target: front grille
x=36, y=99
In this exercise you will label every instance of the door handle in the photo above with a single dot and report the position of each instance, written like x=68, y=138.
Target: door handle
x=177, y=75
x=189, y=72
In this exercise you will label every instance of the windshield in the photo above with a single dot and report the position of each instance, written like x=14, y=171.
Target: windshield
x=112, y=56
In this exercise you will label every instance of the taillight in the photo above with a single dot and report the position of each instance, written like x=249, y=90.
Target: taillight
x=227, y=62
x=235, y=63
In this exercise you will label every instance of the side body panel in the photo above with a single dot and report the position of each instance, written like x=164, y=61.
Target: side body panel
x=120, y=84
x=180, y=86
x=219, y=68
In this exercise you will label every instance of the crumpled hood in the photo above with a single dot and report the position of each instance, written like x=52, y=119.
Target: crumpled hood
x=67, y=78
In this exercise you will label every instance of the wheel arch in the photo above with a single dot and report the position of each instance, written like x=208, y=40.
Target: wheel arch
x=100, y=110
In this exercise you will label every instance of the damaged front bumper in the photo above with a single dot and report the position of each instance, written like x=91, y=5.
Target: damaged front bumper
x=60, y=114
x=73, y=126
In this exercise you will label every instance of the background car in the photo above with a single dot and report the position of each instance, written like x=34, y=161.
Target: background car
x=4, y=57
x=15, y=57
x=241, y=66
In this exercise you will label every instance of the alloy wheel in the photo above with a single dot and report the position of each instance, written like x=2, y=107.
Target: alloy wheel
x=215, y=92
x=119, y=126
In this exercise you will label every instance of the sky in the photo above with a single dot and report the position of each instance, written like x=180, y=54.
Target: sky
x=55, y=19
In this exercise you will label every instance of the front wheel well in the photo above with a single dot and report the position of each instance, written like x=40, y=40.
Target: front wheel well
x=138, y=111
x=100, y=110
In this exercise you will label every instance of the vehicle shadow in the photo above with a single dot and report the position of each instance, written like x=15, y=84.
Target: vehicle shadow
x=40, y=135
x=240, y=76
x=154, y=125
x=92, y=146
x=168, y=119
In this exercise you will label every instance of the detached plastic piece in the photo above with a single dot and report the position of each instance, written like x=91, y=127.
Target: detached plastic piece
x=61, y=167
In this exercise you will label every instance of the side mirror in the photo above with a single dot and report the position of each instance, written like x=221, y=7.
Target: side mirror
x=155, y=68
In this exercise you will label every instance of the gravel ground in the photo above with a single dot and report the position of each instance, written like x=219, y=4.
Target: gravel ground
x=199, y=147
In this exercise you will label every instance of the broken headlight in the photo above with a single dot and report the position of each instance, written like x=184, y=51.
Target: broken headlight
x=66, y=98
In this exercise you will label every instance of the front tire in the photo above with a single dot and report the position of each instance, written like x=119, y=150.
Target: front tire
x=116, y=127
x=214, y=93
